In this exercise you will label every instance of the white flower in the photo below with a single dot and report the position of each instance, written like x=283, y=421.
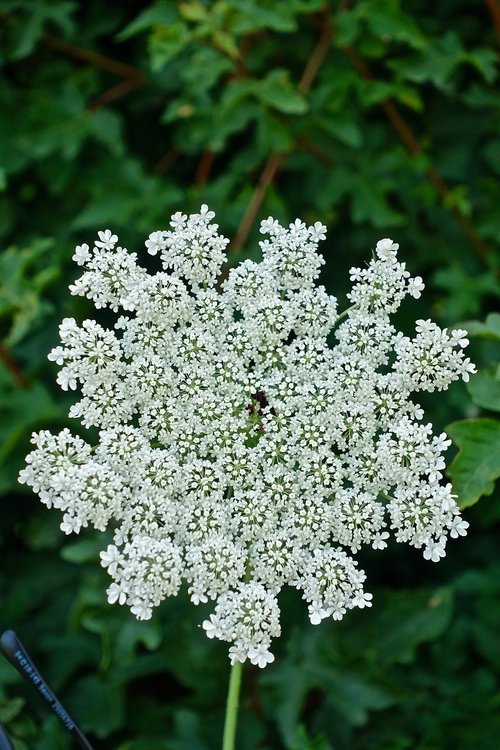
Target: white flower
x=110, y=559
x=467, y=368
x=317, y=232
x=155, y=243
x=107, y=240
x=239, y=449
x=237, y=653
x=435, y=550
x=363, y=599
x=117, y=593
x=70, y=524
x=458, y=527
x=212, y=627
x=260, y=656
x=318, y=613
x=379, y=540
x=416, y=286
x=386, y=249
x=141, y=609
x=178, y=220
x=82, y=254
x=459, y=336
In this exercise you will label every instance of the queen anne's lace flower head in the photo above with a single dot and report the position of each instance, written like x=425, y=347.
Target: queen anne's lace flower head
x=238, y=450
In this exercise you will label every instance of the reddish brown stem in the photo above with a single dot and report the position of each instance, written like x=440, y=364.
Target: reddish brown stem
x=267, y=175
x=13, y=367
x=204, y=168
x=317, y=57
x=494, y=9
x=92, y=58
x=275, y=159
x=113, y=93
x=167, y=160
x=413, y=145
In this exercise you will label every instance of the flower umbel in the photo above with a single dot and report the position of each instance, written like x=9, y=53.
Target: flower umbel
x=238, y=451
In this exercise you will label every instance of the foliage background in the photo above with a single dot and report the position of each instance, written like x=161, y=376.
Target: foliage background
x=379, y=118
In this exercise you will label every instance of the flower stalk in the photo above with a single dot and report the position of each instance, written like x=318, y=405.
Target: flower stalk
x=232, y=706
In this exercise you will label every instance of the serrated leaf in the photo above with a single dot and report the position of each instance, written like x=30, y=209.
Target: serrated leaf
x=193, y=11
x=100, y=705
x=485, y=389
x=226, y=43
x=406, y=621
x=343, y=128
x=304, y=742
x=490, y=329
x=277, y=91
x=159, y=14
x=165, y=43
x=476, y=467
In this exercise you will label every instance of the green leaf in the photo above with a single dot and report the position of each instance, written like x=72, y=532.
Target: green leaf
x=466, y=291
x=490, y=329
x=193, y=10
x=342, y=128
x=165, y=43
x=10, y=709
x=24, y=274
x=485, y=389
x=304, y=742
x=485, y=61
x=31, y=20
x=476, y=467
x=81, y=551
x=22, y=409
x=277, y=91
x=369, y=204
x=404, y=620
x=100, y=705
x=162, y=13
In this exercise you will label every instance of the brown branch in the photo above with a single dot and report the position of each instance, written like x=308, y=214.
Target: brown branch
x=167, y=160
x=267, y=176
x=92, y=58
x=316, y=58
x=13, y=367
x=324, y=157
x=114, y=93
x=204, y=168
x=276, y=158
x=494, y=9
x=413, y=145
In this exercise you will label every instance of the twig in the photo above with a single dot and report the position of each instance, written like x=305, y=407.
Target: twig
x=413, y=145
x=316, y=58
x=324, y=157
x=113, y=93
x=167, y=160
x=494, y=9
x=13, y=367
x=275, y=159
x=204, y=168
x=267, y=176
x=93, y=58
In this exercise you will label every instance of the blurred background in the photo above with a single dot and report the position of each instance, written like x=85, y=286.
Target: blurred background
x=378, y=118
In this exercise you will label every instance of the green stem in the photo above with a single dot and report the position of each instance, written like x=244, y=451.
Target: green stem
x=232, y=706
x=343, y=314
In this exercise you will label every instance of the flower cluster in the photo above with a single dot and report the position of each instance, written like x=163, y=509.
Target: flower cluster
x=239, y=450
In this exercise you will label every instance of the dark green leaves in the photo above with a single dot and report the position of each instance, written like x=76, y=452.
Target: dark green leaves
x=211, y=89
x=477, y=465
